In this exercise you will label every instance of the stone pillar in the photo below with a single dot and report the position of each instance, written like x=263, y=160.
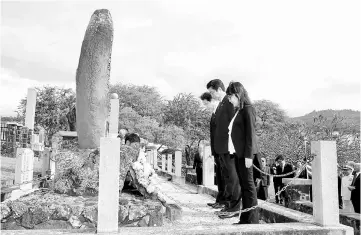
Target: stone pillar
x=114, y=115
x=150, y=157
x=30, y=108
x=92, y=80
x=178, y=163
x=169, y=161
x=108, y=199
x=45, y=159
x=324, y=183
x=163, y=162
x=208, y=166
x=155, y=159
x=24, y=168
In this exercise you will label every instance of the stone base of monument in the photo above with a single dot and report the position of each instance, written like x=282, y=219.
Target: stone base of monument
x=46, y=210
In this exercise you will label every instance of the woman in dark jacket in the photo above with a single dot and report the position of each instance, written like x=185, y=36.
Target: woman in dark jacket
x=244, y=141
x=197, y=164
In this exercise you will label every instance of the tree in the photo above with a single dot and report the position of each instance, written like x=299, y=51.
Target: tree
x=186, y=112
x=144, y=100
x=52, y=105
x=269, y=114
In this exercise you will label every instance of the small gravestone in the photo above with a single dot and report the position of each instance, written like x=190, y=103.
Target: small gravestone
x=163, y=162
x=24, y=168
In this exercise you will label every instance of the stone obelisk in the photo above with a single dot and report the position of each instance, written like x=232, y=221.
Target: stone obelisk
x=92, y=80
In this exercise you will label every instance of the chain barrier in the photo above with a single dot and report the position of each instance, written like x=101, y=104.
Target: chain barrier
x=220, y=213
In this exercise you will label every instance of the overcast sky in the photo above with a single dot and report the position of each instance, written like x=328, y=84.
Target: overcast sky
x=304, y=55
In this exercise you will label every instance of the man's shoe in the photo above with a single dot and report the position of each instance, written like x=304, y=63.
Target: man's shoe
x=218, y=206
x=229, y=215
x=240, y=222
x=211, y=204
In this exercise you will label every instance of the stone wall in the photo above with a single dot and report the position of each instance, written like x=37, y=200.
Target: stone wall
x=46, y=210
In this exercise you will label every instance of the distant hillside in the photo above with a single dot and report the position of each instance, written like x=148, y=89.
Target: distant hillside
x=351, y=117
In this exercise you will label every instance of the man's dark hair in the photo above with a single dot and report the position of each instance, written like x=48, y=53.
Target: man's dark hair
x=279, y=157
x=215, y=84
x=206, y=96
x=132, y=138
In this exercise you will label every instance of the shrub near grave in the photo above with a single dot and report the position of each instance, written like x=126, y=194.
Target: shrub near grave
x=71, y=202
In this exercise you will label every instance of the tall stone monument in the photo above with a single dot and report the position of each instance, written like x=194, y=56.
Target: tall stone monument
x=92, y=80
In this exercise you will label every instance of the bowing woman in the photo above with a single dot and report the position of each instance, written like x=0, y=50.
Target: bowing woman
x=245, y=148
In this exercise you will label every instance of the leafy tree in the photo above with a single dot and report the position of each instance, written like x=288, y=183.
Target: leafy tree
x=186, y=112
x=269, y=114
x=144, y=100
x=52, y=105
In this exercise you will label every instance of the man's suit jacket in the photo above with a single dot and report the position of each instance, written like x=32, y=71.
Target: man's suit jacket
x=244, y=134
x=287, y=169
x=355, y=194
x=223, y=117
x=212, y=126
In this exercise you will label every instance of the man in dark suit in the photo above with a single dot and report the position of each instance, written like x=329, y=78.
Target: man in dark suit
x=264, y=182
x=223, y=115
x=283, y=168
x=355, y=189
x=211, y=104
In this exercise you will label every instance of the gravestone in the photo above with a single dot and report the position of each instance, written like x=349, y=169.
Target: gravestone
x=92, y=80
x=169, y=166
x=24, y=168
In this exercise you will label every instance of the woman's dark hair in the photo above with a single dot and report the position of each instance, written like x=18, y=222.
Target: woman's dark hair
x=279, y=157
x=215, y=84
x=132, y=137
x=206, y=96
x=241, y=93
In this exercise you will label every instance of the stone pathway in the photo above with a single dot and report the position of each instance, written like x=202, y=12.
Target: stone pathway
x=194, y=206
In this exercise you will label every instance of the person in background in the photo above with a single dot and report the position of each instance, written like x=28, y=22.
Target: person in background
x=283, y=168
x=198, y=164
x=346, y=181
x=131, y=139
x=276, y=180
x=355, y=188
x=262, y=185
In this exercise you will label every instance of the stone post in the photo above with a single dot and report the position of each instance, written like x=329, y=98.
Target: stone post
x=163, y=162
x=114, y=115
x=25, y=156
x=208, y=166
x=92, y=80
x=108, y=199
x=155, y=159
x=30, y=108
x=169, y=166
x=178, y=163
x=324, y=183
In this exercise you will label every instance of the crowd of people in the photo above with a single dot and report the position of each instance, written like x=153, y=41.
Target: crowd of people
x=234, y=145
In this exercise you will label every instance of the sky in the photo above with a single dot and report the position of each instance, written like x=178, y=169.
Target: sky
x=303, y=55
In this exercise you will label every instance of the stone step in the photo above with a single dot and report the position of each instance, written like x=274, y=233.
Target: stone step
x=249, y=229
